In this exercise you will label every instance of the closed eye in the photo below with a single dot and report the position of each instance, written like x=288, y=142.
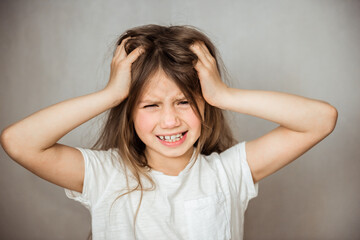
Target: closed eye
x=183, y=102
x=149, y=106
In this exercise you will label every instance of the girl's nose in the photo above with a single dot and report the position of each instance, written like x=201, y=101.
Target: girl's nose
x=169, y=118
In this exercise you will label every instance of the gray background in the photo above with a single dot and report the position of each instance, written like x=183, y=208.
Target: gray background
x=55, y=50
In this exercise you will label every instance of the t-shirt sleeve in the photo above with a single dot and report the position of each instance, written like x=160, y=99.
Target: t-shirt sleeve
x=238, y=171
x=98, y=173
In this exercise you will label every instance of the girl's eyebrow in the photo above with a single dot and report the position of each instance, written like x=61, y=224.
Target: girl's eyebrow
x=156, y=101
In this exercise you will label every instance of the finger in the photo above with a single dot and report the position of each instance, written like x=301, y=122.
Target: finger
x=120, y=50
x=198, y=50
x=198, y=66
x=206, y=51
x=135, y=54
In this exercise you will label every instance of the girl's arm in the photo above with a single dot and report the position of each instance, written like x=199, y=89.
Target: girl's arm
x=31, y=142
x=303, y=121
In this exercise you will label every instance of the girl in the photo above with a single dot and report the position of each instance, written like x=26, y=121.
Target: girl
x=166, y=165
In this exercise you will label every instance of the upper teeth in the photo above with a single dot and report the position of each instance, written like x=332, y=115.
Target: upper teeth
x=170, y=137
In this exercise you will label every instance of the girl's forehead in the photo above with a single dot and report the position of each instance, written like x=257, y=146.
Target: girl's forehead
x=160, y=86
x=161, y=91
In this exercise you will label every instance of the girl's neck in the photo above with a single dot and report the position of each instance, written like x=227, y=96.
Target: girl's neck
x=171, y=166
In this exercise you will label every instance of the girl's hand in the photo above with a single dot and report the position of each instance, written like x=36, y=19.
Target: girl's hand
x=120, y=76
x=212, y=86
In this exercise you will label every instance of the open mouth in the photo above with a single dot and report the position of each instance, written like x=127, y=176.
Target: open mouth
x=172, y=138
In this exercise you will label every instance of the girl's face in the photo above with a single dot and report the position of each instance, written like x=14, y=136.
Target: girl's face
x=165, y=121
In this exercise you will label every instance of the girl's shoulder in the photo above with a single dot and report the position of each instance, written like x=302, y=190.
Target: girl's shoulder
x=235, y=151
x=102, y=159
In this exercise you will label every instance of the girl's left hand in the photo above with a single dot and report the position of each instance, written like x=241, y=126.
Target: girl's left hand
x=212, y=86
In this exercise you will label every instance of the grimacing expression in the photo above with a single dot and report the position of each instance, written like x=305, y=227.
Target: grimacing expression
x=165, y=121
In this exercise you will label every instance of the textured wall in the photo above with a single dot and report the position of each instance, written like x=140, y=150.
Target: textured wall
x=55, y=50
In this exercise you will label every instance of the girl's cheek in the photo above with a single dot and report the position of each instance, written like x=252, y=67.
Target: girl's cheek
x=145, y=121
x=193, y=119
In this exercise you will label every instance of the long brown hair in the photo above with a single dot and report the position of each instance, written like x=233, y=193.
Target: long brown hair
x=166, y=48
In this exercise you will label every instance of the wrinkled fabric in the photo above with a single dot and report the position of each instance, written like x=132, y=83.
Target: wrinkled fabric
x=205, y=201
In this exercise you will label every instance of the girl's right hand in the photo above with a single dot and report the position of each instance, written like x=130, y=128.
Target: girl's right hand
x=120, y=75
x=32, y=141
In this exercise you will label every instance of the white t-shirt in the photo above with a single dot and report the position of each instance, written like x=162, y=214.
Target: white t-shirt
x=207, y=201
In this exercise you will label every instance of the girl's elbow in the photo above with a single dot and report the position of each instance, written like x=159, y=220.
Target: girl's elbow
x=7, y=143
x=332, y=117
x=4, y=138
